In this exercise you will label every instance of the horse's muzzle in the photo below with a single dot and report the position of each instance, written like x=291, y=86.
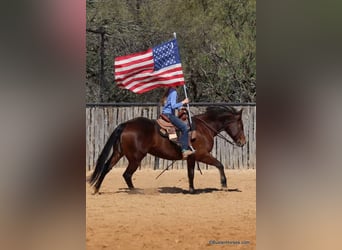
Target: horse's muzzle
x=241, y=141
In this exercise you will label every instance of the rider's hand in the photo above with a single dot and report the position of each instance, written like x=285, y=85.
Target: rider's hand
x=185, y=101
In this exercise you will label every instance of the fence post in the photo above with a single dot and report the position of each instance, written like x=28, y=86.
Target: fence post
x=156, y=159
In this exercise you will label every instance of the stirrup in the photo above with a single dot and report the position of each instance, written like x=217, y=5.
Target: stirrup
x=186, y=153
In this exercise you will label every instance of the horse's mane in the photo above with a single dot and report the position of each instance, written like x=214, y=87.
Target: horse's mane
x=220, y=110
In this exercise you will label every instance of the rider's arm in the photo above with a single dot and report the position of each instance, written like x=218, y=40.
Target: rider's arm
x=173, y=98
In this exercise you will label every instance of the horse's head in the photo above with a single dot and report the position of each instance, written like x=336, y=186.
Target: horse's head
x=234, y=127
x=228, y=119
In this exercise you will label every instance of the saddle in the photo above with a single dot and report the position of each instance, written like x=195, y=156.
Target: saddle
x=167, y=129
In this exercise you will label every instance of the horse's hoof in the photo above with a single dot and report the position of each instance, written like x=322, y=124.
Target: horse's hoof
x=191, y=191
x=96, y=191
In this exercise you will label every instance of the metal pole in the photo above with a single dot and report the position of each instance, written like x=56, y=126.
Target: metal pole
x=186, y=96
x=187, y=106
x=185, y=93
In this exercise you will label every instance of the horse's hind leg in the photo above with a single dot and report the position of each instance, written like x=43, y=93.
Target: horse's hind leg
x=191, y=173
x=116, y=156
x=127, y=175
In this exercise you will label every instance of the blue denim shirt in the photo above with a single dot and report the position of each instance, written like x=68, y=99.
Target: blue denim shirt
x=171, y=103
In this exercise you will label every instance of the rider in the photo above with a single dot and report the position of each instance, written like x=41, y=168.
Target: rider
x=169, y=100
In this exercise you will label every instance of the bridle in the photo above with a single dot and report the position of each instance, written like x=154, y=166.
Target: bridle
x=217, y=132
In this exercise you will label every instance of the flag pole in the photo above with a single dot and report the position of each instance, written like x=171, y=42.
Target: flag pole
x=187, y=105
x=186, y=94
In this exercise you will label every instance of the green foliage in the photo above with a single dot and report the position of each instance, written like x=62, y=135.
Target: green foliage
x=217, y=41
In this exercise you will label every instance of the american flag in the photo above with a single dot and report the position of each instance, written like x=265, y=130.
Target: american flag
x=157, y=67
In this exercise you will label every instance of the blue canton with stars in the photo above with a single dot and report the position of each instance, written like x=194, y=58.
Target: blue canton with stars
x=166, y=54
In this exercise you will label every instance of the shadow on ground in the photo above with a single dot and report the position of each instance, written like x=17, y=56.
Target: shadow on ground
x=169, y=190
x=177, y=190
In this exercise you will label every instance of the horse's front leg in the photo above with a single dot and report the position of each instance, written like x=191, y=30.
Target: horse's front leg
x=209, y=159
x=191, y=172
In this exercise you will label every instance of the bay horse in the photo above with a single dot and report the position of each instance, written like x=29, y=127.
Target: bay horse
x=137, y=137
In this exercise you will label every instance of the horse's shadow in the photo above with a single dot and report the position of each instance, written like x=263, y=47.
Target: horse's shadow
x=173, y=190
x=177, y=190
x=130, y=191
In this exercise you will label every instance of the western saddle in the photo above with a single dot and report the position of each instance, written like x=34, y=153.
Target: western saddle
x=167, y=129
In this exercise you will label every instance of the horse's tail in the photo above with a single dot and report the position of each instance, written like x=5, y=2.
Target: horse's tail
x=102, y=167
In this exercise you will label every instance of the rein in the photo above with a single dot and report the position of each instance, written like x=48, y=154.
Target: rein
x=216, y=132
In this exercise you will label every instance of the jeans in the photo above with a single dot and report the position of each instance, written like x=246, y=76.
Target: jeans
x=183, y=128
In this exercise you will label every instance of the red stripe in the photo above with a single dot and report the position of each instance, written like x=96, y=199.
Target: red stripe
x=159, y=79
x=148, y=67
x=133, y=74
x=134, y=62
x=160, y=85
x=133, y=55
x=178, y=69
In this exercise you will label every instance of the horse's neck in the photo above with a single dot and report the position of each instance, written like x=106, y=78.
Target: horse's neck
x=214, y=125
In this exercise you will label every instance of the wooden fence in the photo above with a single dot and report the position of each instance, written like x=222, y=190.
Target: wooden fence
x=102, y=119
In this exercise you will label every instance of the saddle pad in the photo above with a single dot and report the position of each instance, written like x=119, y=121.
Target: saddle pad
x=164, y=124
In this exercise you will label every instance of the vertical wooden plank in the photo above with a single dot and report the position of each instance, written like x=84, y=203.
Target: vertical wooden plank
x=225, y=154
x=105, y=125
x=229, y=156
x=248, y=123
x=152, y=112
x=88, y=142
x=94, y=140
x=243, y=149
x=219, y=146
x=240, y=150
x=91, y=139
x=223, y=151
x=129, y=113
x=93, y=136
x=103, y=129
x=119, y=120
x=252, y=136
x=87, y=139
x=90, y=148
x=145, y=112
x=233, y=157
x=100, y=131
x=213, y=152
x=96, y=137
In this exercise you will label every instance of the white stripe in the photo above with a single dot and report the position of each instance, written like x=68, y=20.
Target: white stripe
x=119, y=62
x=133, y=73
x=134, y=66
x=151, y=78
x=151, y=74
x=155, y=83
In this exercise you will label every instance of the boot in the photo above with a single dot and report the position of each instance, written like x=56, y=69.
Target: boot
x=186, y=153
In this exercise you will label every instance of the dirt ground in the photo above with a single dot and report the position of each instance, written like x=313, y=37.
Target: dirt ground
x=161, y=214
